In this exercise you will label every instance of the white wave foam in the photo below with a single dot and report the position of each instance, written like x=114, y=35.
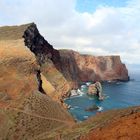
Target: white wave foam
x=80, y=93
x=88, y=83
x=100, y=108
x=76, y=107
x=106, y=97
x=83, y=86
x=72, y=108
x=85, y=117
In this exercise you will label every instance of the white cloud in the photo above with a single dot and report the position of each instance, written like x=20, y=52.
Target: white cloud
x=106, y=31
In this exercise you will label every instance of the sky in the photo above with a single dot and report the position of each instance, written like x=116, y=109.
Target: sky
x=97, y=27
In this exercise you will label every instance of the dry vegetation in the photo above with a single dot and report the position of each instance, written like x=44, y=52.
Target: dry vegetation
x=25, y=113
x=33, y=117
x=120, y=124
x=12, y=32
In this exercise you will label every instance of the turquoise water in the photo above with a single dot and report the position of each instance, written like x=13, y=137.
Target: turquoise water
x=118, y=95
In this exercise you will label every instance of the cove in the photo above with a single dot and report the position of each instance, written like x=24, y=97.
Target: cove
x=117, y=95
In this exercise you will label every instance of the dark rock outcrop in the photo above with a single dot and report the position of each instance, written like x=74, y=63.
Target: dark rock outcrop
x=48, y=59
x=39, y=46
x=92, y=108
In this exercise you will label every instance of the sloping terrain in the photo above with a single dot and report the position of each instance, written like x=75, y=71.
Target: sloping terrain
x=120, y=124
x=26, y=110
x=41, y=59
x=79, y=67
x=125, y=128
x=32, y=117
x=17, y=69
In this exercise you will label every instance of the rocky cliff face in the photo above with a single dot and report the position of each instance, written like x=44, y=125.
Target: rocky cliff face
x=77, y=67
x=74, y=66
x=49, y=61
x=62, y=69
x=39, y=46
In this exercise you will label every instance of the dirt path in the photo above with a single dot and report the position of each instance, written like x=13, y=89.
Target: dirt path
x=46, y=118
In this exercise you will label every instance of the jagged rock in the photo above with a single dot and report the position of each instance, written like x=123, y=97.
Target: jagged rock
x=39, y=46
x=74, y=66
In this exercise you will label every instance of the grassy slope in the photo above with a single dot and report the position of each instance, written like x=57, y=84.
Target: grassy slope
x=85, y=129
x=32, y=117
x=56, y=79
x=12, y=32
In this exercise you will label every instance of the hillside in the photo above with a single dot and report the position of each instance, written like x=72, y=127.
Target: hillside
x=121, y=124
x=34, y=80
x=26, y=109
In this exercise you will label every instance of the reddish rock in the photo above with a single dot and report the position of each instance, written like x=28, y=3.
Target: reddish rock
x=74, y=66
x=77, y=67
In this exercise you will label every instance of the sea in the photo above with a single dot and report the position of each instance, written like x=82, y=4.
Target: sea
x=117, y=95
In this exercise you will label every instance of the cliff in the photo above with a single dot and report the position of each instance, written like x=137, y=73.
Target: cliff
x=39, y=46
x=77, y=67
x=68, y=68
x=74, y=66
x=26, y=109
x=40, y=53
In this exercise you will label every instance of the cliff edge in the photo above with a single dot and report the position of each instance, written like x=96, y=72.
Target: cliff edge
x=74, y=66
x=77, y=67
x=60, y=69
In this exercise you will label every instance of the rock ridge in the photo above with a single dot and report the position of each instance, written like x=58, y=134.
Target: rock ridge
x=39, y=46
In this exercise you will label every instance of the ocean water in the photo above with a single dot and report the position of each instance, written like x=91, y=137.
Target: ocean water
x=117, y=95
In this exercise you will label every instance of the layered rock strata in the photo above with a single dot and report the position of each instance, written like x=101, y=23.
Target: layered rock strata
x=77, y=67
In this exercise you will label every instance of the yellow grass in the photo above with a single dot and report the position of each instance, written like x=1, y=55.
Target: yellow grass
x=47, y=86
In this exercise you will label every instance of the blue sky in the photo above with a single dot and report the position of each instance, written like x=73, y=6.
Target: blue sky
x=91, y=5
x=83, y=5
x=97, y=27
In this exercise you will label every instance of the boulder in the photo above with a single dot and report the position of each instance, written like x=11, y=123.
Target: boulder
x=92, y=108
